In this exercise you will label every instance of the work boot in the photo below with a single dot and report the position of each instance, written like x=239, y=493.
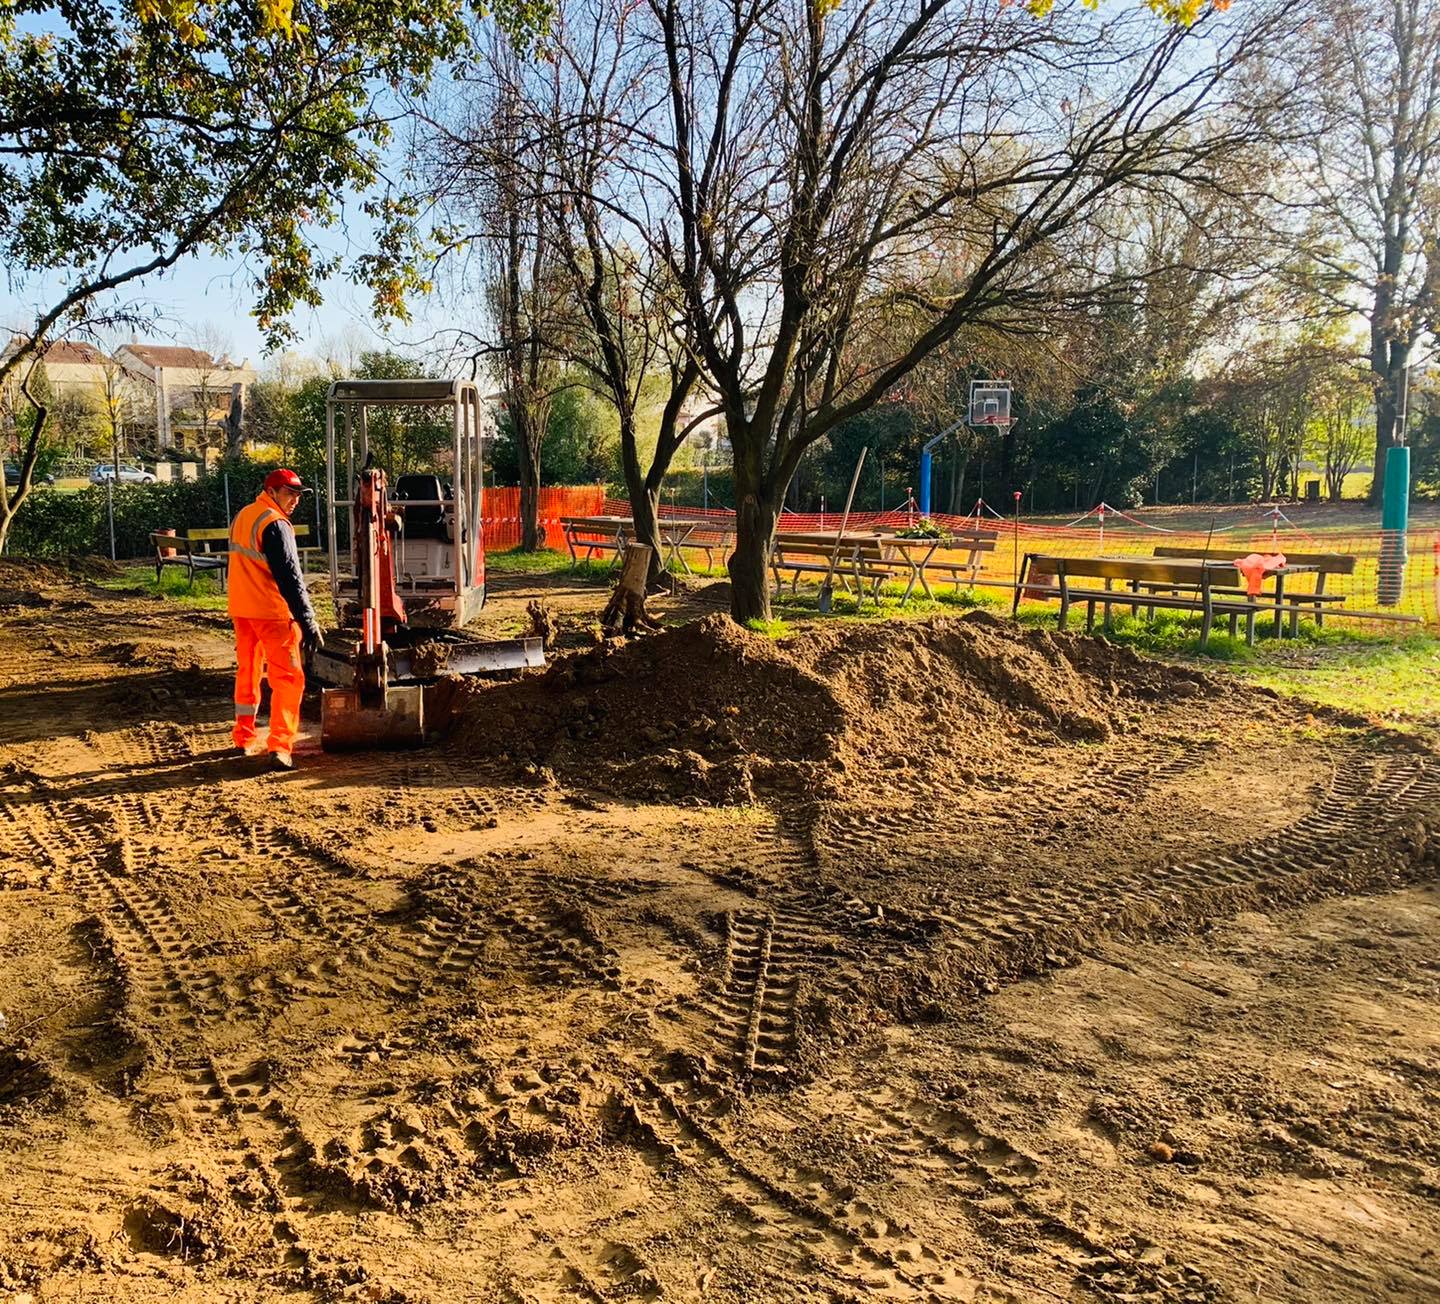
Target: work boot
x=282, y=760
x=254, y=747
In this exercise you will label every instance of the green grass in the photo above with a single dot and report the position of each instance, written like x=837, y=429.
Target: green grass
x=550, y=561
x=173, y=584
x=1171, y=635
x=515, y=562
x=1394, y=680
x=804, y=605
x=773, y=628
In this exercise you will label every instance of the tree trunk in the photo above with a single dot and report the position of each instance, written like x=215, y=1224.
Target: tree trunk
x=11, y=502
x=755, y=519
x=645, y=508
x=531, y=537
x=626, y=608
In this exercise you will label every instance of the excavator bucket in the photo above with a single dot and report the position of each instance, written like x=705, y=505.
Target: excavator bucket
x=347, y=723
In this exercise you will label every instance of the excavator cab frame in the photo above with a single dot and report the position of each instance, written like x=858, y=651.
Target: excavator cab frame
x=440, y=580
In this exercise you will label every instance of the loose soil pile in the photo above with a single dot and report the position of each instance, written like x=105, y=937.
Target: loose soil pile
x=714, y=712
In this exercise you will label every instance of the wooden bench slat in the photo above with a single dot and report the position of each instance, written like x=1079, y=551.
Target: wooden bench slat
x=1335, y=563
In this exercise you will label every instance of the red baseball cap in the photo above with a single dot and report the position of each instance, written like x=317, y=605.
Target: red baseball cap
x=284, y=478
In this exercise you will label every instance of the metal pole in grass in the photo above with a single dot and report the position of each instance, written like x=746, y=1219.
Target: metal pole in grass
x=1395, y=506
x=1016, y=558
x=110, y=511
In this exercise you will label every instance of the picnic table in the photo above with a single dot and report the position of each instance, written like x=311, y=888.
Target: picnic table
x=858, y=557
x=1324, y=564
x=1173, y=583
x=915, y=555
x=614, y=532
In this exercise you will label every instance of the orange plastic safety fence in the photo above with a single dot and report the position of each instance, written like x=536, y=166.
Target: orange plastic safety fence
x=502, y=512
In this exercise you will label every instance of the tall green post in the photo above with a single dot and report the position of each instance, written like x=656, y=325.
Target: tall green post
x=1394, y=520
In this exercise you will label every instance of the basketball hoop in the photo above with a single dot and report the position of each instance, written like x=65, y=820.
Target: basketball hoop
x=989, y=402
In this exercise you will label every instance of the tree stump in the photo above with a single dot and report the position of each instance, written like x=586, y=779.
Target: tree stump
x=542, y=624
x=626, y=608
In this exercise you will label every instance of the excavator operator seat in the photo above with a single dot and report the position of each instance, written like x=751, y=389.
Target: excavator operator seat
x=422, y=521
x=427, y=548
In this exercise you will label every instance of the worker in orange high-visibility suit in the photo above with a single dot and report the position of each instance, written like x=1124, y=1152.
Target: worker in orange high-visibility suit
x=272, y=615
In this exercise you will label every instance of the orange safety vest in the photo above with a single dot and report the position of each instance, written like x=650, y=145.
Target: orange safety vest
x=253, y=591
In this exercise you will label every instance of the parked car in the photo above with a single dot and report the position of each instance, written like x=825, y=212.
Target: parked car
x=128, y=474
x=12, y=477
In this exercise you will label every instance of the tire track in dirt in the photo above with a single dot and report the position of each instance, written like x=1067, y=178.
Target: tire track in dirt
x=1000, y=1190
x=24, y=862
x=235, y=1117
x=227, y=1099
x=801, y=930
x=766, y=951
x=438, y=936
x=546, y=918
x=791, y=1232
x=1112, y=784
x=1355, y=817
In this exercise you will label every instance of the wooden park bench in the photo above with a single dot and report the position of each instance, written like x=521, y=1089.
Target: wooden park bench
x=592, y=534
x=1171, y=584
x=710, y=540
x=207, y=550
x=194, y=551
x=1316, y=600
x=862, y=561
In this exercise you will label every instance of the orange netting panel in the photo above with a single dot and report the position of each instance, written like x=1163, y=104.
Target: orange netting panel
x=502, y=512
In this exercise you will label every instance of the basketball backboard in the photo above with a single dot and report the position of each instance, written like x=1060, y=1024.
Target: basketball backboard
x=989, y=402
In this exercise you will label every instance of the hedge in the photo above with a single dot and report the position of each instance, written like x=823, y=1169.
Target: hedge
x=53, y=523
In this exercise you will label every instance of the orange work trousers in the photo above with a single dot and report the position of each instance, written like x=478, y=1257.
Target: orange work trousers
x=270, y=648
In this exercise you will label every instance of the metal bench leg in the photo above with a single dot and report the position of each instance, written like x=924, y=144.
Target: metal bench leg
x=1250, y=628
x=1295, y=620
x=1208, y=607
x=1234, y=623
x=1090, y=616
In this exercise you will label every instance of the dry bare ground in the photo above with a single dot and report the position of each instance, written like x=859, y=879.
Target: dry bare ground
x=949, y=964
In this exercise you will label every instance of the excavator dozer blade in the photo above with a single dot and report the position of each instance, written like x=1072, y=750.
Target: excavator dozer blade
x=346, y=724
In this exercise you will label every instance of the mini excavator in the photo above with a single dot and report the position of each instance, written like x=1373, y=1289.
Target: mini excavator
x=413, y=574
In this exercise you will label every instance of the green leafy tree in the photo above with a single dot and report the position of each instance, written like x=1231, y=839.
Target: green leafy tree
x=136, y=133
x=403, y=439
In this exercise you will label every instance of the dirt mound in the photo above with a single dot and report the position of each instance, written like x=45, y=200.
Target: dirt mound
x=149, y=654
x=21, y=572
x=714, y=712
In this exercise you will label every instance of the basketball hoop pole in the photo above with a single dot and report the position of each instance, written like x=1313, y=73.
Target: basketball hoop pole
x=927, y=461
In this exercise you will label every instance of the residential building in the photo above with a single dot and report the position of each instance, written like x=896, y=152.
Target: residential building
x=171, y=396
x=190, y=391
